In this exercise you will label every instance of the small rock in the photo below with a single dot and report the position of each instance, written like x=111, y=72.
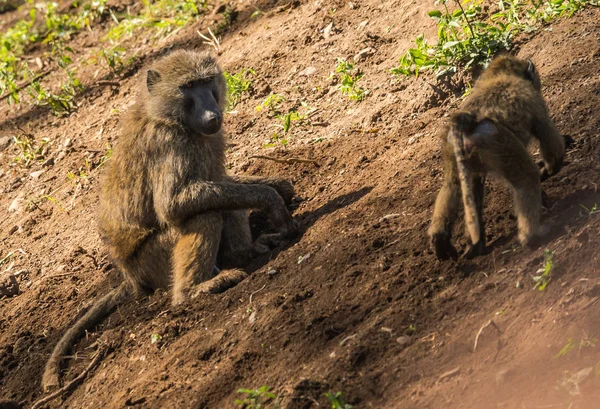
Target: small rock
x=308, y=71
x=17, y=204
x=403, y=340
x=60, y=155
x=271, y=272
x=4, y=142
x=302, y=258
x=252, y=318
x=8, y=285
x=501, y=377
x=363, y=24
x=68, y=143
x=351, y=6
x=362, y=54
x=36, y=174
x=327, y=30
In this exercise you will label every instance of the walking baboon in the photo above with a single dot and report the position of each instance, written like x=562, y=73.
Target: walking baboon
x=490, y=133
x=168, y=212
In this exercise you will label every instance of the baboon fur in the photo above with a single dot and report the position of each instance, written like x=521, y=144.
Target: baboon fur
x=491, y=133
x=169, y=213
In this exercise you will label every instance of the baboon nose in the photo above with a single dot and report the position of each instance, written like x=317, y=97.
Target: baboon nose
x=212, y=122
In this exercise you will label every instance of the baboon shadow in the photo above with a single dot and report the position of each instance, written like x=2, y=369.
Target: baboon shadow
x=259, y=224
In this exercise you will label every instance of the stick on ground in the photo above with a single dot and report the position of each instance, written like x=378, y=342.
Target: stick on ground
x=71, y=385
x=484, y=326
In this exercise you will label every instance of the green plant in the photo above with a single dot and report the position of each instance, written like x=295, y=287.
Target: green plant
x=162, y=15
x=543, y=277
x=349, y=77
x=113, y=58
x=106, y=156
x=590, y=211
x=272, y=104
x=470, y=35
x=237, y=85
x=29, y=150
x=257, y=399
x=336, y=400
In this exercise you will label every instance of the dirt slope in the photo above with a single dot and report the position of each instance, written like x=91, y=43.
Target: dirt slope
x=358, y=303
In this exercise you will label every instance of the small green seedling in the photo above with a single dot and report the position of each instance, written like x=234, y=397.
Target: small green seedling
x=259, y=398
x=590, y=211
x=272, y=104
x=237, y=85
x=543, y=277
x=336, y=400
x=349, y=77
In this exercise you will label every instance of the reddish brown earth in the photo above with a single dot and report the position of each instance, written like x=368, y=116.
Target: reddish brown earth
x=358, y=303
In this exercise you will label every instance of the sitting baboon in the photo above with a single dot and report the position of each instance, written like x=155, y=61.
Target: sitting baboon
x=490, y=133
x=169, y=214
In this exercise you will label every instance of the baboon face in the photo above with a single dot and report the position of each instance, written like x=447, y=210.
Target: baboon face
x=188, y=88
x=201, y=106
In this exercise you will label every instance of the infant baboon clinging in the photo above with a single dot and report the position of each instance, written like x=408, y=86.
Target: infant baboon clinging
x=490, y=133
x=168, y=213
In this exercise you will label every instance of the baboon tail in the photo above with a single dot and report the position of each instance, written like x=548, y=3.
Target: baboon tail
x=98, y=311
x=462, y=124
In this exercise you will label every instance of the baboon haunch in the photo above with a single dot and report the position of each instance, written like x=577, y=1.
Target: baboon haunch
x=490, y=133
x=169, y=214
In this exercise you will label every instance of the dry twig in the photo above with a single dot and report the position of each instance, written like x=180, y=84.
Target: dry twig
x=487, y=324
x=71, y=385
x=212, y=40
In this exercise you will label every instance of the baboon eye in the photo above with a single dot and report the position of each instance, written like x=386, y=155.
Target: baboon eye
x=189, y=84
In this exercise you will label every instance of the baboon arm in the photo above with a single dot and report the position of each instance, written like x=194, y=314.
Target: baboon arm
x=174, y=205
x=282, y=186
x=552, y=146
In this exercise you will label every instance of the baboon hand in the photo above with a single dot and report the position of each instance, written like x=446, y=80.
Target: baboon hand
x=285, y=190
x=281, y=218
x=442, y=247
x=546, y=171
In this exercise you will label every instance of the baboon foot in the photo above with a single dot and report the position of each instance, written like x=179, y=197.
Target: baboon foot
x=474, y=250
x=535, y=240
x=442, y=247
x=224, y=281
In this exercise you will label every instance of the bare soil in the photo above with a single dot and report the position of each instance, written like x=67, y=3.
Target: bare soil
x=358, y=303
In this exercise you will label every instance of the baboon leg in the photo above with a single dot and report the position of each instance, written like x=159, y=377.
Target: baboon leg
x=512, y=161
x=223, y=281
x=478, y=249
x=235, y=249
x=195, y=253
x=552, y=146
x=446, y=208
x=149, y=267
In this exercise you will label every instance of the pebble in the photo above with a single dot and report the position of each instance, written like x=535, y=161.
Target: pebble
x=17, y=204
x=36, y=174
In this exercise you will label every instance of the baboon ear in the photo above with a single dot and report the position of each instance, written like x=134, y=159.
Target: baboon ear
x=530, y=69
x=152, y=78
